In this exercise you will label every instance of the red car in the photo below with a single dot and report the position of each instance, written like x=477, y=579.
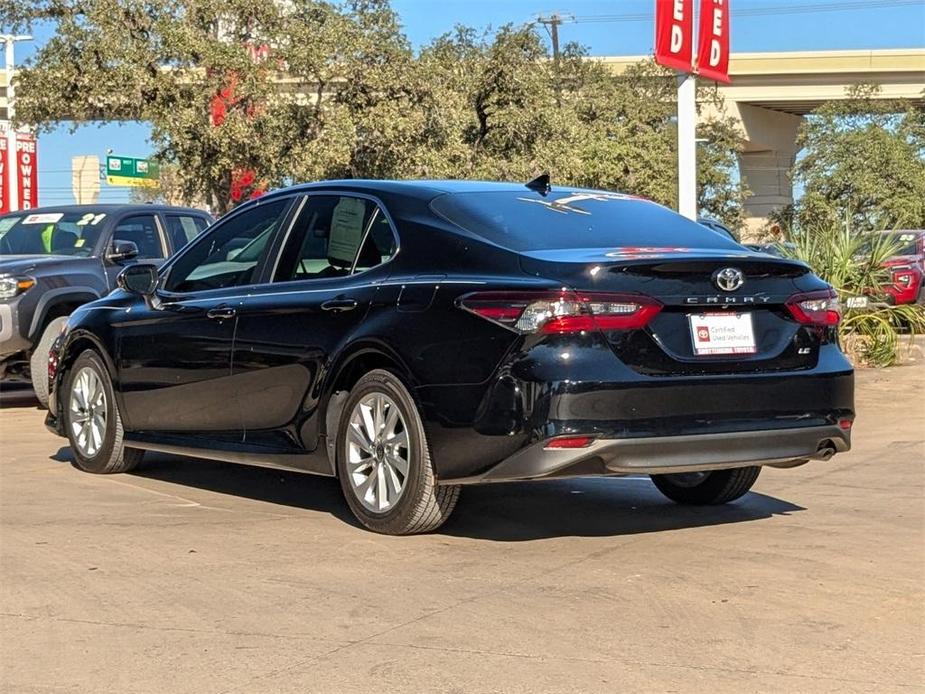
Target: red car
x=907, y=267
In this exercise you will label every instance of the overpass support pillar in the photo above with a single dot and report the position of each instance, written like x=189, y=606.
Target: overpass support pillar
x=767, y=175
x=765, y=164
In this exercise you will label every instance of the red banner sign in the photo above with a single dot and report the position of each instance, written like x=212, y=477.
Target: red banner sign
x=713, y=40
x=674, y=34
x=27, y=171
x=4, y=174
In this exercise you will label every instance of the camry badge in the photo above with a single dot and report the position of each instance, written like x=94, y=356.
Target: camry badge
x=728, y=279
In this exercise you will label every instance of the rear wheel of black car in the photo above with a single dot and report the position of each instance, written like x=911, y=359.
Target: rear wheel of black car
x=383, y=460
x=707, y=488
x=92, y=421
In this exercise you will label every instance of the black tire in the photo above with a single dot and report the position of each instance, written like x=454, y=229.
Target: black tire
x=717, y=487
x=38, y=362
x=112, y=455
x=423, y=505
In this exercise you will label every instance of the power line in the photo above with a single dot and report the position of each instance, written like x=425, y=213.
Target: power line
x=765, y=11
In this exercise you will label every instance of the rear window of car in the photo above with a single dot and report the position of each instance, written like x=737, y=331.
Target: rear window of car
x=183, y=228
x=528, y=221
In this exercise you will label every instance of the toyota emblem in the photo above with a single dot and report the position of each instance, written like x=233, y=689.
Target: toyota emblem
x=729, y=279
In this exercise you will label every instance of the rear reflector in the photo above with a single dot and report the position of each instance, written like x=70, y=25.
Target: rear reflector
x=570, y=442
x=845, y=424
x=815, y=308
x=562, y=311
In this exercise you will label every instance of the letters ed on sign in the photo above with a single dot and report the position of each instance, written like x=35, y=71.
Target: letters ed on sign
x=674, y=34
x=713, y=40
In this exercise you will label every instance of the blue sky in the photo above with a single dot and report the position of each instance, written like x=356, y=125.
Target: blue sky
x=880, y=27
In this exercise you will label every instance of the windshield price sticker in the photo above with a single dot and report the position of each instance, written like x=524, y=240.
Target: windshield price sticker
x=46, y=218
x=722, y=333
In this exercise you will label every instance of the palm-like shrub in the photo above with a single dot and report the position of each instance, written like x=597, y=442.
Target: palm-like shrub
x=853, y=263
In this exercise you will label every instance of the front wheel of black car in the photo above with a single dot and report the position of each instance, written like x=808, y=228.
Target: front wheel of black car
x=92, y=421
x=707, y=488
x=383, y=460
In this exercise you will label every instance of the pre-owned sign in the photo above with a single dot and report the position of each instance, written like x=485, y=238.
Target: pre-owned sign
x=713, y=40
x=674, y=33
x=27, y=171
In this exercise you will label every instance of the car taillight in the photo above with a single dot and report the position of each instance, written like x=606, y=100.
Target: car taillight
x=815, y=308
x=562, y=311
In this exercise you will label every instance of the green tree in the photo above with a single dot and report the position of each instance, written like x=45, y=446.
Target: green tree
x=862, y=163
x=274, y=67
x=310, y=89
x=604, y=131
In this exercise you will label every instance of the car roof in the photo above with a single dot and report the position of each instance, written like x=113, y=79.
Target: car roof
x=417, y=188
x=111, y=208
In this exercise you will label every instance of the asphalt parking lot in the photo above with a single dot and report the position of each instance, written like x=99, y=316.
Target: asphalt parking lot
x=192, y=576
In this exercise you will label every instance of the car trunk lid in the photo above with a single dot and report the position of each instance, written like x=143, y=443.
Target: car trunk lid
x=745, y=323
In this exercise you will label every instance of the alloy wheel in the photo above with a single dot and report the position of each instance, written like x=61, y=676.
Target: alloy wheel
x=88, y=412
x=377, y=452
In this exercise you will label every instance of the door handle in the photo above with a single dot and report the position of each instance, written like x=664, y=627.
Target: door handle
x=220, y=313
x=339, y=304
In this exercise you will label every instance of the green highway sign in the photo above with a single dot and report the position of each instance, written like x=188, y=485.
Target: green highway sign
x=129, y=171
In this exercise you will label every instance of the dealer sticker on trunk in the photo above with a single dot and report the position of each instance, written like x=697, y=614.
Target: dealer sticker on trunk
x=722, y=333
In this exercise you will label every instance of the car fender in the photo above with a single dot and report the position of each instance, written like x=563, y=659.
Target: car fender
x=74, y=343
x=56, y=297
x=378, y=353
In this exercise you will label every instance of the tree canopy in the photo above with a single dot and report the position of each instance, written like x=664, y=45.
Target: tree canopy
x=862, y=164
x=258, y=93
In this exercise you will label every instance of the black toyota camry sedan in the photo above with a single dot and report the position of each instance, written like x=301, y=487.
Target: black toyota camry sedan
x=411, y=337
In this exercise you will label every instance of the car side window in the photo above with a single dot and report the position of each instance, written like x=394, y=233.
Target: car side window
x=183, y=228
x=143, y=232
x=329, y=237
x=378, y=246
x=228, y=255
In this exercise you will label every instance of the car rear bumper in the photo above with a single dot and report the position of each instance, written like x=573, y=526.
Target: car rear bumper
x=669, y=454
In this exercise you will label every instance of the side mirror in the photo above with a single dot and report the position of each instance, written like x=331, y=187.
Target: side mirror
x=122, y=250
x=138, y=279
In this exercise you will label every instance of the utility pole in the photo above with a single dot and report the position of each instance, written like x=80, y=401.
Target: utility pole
x=12, y=179
x=552, y=23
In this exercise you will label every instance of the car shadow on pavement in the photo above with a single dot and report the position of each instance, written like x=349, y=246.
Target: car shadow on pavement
x=511, y=512
x=17, y=395
x=591, y=507
x=281, y=487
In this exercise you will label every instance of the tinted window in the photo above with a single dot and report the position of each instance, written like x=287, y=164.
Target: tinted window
x=573, y=219
x=51, y=233
x=378, y=246
x=142, y=231
x=327, y=236
x=229, y=253
x=183, y=228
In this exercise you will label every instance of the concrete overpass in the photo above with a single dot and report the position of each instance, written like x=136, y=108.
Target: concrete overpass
x=771, y=92
x=769, y=95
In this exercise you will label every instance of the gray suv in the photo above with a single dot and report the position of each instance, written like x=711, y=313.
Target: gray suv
x=53, y=259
